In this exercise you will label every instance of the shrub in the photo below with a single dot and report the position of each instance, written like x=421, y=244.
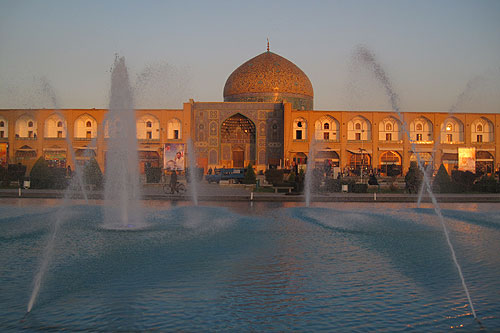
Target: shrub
x=486, y=184
x=463, y=180
x=40, y=175
x=442, y=181
x=274, y=176
x=153, y=175
x=413, y=178
x=250, y=177
x=92, y=174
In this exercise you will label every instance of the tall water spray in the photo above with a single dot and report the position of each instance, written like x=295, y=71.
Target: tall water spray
x=193, y=172
x=368, y=58
x=122, y=192
x=309, y=172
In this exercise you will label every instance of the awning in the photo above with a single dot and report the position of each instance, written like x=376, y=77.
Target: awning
x=449, y=157
x=85, y=148
x=54, y=149
x=389, y=148
x=486, y=149
x=423, y=150
x=148, y=149
x=25, y=149
x=357, y=151
x=450, y=151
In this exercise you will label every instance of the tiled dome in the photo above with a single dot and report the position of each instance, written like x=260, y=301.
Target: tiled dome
x=269, y=77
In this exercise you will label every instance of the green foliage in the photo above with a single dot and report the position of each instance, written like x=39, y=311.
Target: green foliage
x=153, y=175
x=40, y=175
x=487, y=184
x=250, y=177
x=274, y=176
x=463, y=181
x=413, y=178
x=442, y=181
x=92, y=174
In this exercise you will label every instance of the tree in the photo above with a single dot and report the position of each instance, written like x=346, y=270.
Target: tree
x=413, y=178
x=250, y=177
x=40, y=175
x=442, y=181
x=92, y=174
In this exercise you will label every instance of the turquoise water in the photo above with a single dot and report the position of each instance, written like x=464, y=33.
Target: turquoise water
x=266, y=267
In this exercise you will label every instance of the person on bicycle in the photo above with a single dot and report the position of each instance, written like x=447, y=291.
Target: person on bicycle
x=173, y=182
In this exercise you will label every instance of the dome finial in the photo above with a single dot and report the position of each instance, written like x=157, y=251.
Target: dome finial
x=267, y=44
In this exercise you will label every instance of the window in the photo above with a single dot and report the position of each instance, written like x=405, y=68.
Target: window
x=2, y=124
x=419, y=137
x=2, y=135
x=299, y=124
x=149, y=124
x=449, y=127
x=176, y=134
x=419, y=127
x=326, y=126
x=298, y=134
x=88, y=124
x=149, y=135
x=30, y=134
x=388, y=136
x=326, y=136
x=358, y=136
x=388, y=127
x=479, y=138
x=59, y=134
x=30, y=124
x=449, y=137
x=479, y=128
x=88, y=135
x=59, y=124
x=357, y=126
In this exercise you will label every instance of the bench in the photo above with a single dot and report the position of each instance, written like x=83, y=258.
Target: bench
x=289, y=188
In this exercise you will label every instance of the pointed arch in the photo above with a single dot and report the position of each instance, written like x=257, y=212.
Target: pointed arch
x=390, y=129
x=82, y=130
x=55, y=126
x=174, y=129
x=26, y=127
x=359, y=129
x=421, y=130
x=299, y=129
x=148, y=127
x=327, y=128
x=452, y=131
x=4, y=128
x=482, y=130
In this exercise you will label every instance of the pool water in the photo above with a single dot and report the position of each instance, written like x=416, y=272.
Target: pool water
x=261, y=267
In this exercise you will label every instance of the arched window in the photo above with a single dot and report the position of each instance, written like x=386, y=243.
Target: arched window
x=148, y=127
x=299, y=129
x=174, y=129
x=452, y=131
x=359, y=129
x=59, y=124
x=421, y=130
x=86, y=127
x=26, y=127
x=482, y=130
x=388, y=127
x=326, y=129
x=88, y=124
x=326, y=126
x=30, y=124
x=2, y=124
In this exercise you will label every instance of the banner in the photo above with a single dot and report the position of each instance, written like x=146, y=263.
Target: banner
x=173, y=156
x=467, y=159
x=3, y=154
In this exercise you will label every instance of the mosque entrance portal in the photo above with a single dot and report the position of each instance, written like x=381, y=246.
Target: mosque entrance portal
x=238, y=141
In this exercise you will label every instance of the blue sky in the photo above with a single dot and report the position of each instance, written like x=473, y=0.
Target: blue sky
x=437, y=53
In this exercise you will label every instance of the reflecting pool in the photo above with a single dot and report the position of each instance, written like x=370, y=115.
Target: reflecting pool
x=252, y=267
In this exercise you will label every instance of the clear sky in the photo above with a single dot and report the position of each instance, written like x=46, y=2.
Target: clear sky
x=438, y=53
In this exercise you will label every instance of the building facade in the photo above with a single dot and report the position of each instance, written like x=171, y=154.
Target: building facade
x=267, y=119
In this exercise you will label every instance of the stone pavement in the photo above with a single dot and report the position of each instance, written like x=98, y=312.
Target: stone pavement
x=216, y=192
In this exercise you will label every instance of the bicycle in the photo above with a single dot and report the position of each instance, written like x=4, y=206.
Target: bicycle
x=180, y=188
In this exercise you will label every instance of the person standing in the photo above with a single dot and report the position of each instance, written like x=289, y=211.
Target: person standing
x=173, y=182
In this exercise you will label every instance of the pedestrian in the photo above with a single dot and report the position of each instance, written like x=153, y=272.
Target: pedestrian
x=173, y=182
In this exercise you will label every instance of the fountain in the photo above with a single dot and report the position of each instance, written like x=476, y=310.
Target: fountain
x=193, y=172
x=369, y=59
x=309, y=172
x=122, y=191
